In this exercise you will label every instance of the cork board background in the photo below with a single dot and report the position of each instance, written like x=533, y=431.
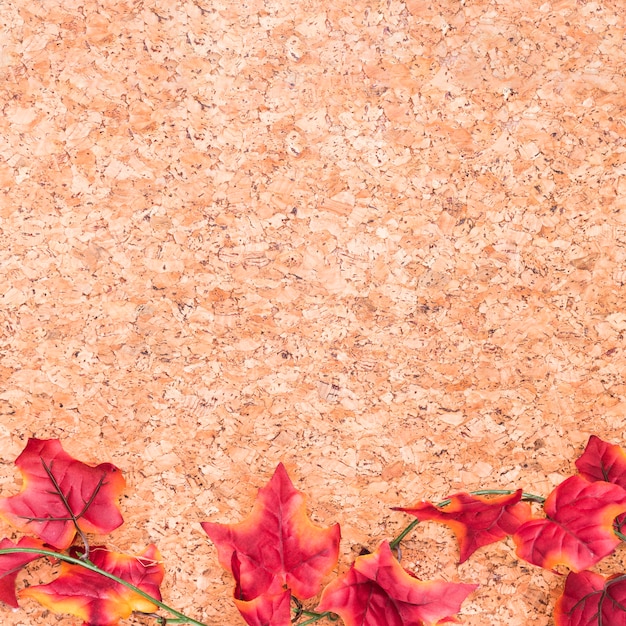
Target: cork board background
x=380, y=241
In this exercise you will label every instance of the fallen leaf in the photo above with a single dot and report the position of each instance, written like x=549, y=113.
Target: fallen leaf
x=264, y=610
x=592, y=600
x=603, y=461
x=59, y=492
x=277, y=546
x=98, y=600
x=378, y=591
x=11, y=564
x=578, y=529
x=476, y=520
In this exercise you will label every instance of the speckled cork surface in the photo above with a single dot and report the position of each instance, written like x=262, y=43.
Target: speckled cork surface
x=382, y=242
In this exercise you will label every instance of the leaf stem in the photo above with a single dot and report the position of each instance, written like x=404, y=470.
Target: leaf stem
x=181, y=617
x=396, y=542
x=299, y=611
x=316, y=617
x=528, y=497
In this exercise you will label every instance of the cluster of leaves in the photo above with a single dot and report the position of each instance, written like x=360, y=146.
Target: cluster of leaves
x=60, y=499
x=279, y=558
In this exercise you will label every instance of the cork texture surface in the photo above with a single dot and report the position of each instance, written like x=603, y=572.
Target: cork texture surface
x=382, y=242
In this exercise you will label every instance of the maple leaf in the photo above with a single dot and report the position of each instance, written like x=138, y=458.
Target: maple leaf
x=60, y=494
x=277, y=546
x=475, y=520
x=378, y=590
x=11, y=564
x=98, y=600
x=603, y=461
x=266, y=609
x=590, y=599
x=606, y=462
x=578, y=529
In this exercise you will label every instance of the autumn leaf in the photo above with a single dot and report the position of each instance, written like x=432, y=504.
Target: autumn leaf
x=606, y=462
x=277, y=546
x=59, y=492
x=603, y=461
x=378, y=590
x=264, y=610
x=11, y=564
x=590, y=599
x=476, y=520
x=578, y=529
x=98, y=600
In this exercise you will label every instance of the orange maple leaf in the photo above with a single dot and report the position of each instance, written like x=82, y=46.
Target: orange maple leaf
x=475, y=520
x=98, y=600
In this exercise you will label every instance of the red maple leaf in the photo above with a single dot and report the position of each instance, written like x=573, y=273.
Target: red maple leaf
x=590, y=599
x=378, y=590
x=603, y=461
x=578, y=530
x=476, y=521
x=264, y=610
x=60, y=494
x=11, y=564
x=98, y=600
x=277, y=546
